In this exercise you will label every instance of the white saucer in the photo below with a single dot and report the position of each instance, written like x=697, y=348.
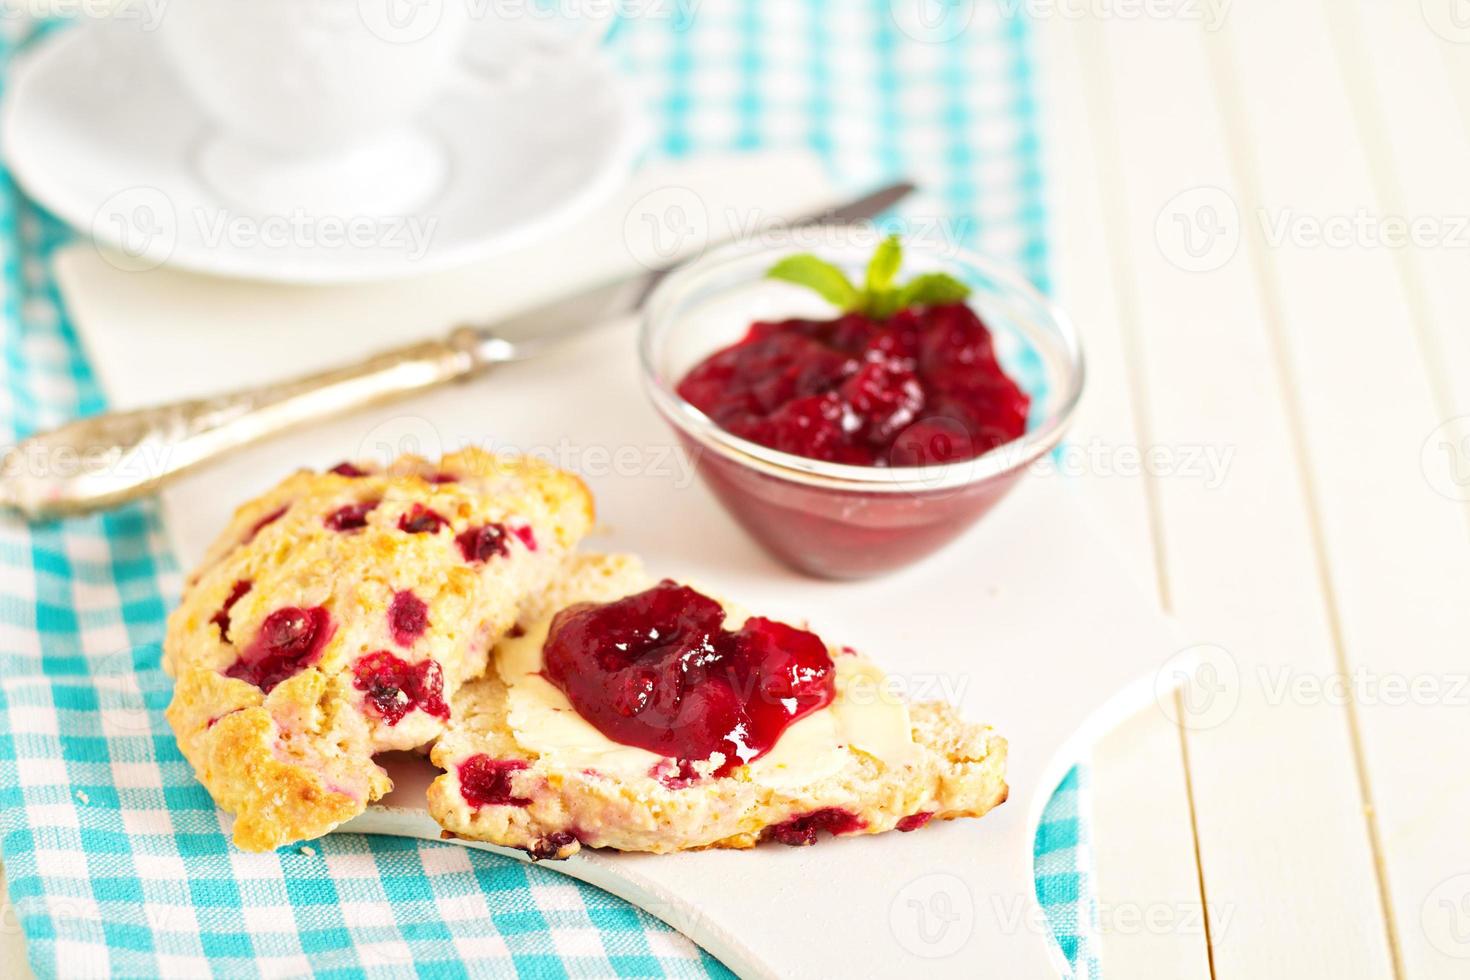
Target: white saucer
x=97, y=129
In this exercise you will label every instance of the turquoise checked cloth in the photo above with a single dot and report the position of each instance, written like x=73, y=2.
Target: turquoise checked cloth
x=115, y=857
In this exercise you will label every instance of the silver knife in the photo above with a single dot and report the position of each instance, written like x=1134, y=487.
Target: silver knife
x=115, y=457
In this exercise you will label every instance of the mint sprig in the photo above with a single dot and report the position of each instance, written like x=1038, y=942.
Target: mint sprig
x=879, y=296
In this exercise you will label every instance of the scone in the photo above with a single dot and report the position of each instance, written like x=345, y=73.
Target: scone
x=525, y=768
x=338, y=615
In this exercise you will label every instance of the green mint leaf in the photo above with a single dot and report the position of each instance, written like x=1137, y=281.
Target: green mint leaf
x=820, y=276
x=883, y=267
x=931, y=289
x=879, y=298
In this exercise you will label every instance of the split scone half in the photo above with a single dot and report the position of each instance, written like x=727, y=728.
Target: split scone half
x=524, y=769
x=338, y=615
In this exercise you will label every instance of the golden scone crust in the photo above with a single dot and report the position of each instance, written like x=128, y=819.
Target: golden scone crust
x=291, y=756
x=956, y=769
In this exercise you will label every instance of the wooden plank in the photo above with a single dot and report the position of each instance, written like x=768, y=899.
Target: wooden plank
x=1379, y=319
x=1150, y=912
x=1145, y=858
x=1084, y=274
x=1419, y=129
x=1283, y=847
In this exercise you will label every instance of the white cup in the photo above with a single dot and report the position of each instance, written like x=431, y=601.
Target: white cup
x=313, y=102
x=305, y=76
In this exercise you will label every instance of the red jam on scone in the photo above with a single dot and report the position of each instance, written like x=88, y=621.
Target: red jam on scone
x=644, y=715
x=659, y=670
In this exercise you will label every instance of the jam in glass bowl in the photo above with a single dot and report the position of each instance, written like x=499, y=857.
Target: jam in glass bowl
x=776, y=394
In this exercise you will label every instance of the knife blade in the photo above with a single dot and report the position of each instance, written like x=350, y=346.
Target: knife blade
x=109, y=459
x=529, y=332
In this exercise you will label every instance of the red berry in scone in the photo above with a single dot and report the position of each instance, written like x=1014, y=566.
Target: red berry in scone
x=338, y=615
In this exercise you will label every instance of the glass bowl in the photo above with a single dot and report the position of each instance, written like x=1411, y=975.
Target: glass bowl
x=842, y=521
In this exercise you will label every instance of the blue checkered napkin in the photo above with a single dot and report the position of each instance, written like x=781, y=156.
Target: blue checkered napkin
x=941, y=94
x=115, y=857
x=1063, y=859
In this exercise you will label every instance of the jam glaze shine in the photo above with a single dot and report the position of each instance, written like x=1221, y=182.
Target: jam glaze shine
x=659, y=670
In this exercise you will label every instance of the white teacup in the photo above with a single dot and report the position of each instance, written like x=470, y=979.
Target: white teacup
x=314, y=101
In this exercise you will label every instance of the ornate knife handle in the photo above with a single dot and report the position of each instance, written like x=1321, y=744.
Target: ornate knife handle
x=118, y=456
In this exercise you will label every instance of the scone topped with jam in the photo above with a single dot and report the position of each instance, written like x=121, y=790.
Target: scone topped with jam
x=339, y=614
x=640, y=715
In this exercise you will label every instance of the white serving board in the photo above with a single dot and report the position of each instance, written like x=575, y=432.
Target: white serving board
x=1029, y=621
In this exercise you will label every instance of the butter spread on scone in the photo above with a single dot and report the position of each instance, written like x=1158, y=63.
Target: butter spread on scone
x=524, y=768
x=338, y=615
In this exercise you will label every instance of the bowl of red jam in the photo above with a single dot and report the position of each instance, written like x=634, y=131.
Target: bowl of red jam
x=862, y=420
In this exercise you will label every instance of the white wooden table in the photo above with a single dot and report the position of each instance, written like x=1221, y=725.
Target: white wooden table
x=1230, y=198
x=1274, y=375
